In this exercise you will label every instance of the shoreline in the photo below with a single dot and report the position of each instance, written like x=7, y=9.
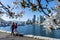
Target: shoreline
x=37, y=37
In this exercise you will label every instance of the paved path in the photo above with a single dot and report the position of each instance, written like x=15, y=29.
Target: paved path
x=7, y=36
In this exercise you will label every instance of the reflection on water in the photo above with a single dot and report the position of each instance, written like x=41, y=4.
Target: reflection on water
x=34, y=30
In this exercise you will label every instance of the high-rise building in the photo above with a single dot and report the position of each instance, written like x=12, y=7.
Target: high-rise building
x=34, y=18
x=37, y=19
x=41, y=19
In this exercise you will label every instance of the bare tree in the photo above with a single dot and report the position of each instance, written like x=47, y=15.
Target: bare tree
x=27, y=3
x=35, y=7
x=9, y=12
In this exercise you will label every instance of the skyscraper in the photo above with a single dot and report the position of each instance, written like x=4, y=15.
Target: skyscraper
x=41, y=19
x=34, y=18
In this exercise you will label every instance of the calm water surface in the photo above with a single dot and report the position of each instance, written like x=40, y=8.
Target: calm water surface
x=34, y=30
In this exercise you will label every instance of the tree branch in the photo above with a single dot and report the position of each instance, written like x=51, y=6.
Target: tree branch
x=40, y=6
x=5, y=8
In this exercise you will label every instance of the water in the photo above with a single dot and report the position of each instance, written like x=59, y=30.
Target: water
x=34, y=30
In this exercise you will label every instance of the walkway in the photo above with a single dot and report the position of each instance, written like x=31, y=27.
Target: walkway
x=8, y=36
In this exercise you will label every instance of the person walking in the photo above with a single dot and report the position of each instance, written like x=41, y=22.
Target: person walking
x=15, y=28
x=12, y=28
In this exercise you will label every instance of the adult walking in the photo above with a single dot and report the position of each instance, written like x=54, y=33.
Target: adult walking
x=12, y=28
x=15, y=28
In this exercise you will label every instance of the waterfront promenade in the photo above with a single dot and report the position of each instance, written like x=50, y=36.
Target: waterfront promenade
x=8, y=36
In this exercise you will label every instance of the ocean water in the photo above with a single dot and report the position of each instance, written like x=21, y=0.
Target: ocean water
x=34, y=30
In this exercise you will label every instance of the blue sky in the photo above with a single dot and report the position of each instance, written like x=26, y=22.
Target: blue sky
x=28, y=12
